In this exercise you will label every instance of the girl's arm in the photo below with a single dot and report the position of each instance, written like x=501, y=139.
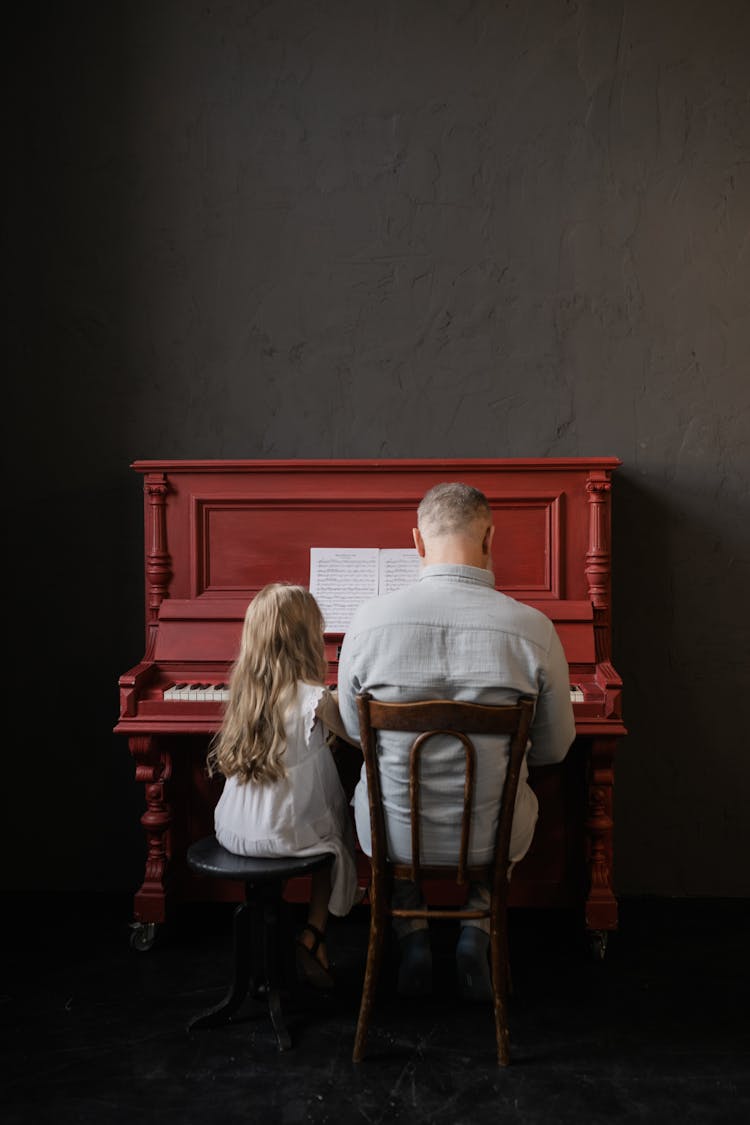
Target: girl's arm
x=345, y=751
x=328, y=713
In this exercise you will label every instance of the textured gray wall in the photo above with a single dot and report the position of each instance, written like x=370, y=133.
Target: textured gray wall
x=440, y=228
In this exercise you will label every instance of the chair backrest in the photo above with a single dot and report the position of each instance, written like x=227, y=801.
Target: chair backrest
x=427, y=719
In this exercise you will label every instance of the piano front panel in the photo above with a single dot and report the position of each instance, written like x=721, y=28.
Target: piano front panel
x=232, y=527
x=232, y=557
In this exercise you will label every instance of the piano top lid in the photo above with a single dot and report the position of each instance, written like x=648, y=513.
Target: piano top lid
x=203, y=609
x=209, y=629
x=530, y=464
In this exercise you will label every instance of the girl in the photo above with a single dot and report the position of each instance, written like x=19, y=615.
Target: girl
x=282, y=794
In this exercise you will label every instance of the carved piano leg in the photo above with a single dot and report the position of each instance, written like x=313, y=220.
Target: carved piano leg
x=601, y=904
x=154, y=767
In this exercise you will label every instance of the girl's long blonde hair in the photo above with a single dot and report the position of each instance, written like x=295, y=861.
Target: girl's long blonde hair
x=282, y=643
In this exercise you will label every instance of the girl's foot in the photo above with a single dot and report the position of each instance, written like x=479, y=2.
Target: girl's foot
x=312, y=962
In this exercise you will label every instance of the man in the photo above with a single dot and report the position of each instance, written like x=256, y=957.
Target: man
x=451, y=635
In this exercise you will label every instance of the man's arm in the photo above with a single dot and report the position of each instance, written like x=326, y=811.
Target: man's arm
x=553, y=729
x=348, y=688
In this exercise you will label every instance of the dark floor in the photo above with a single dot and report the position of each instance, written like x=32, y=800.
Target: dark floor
x=657, y=1031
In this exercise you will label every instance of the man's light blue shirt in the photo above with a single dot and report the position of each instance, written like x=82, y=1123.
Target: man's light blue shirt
x=451, y=635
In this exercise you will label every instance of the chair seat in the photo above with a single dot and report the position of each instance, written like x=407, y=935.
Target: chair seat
x=208, y=857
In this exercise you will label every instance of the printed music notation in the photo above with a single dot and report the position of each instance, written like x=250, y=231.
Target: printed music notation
x=341, y=578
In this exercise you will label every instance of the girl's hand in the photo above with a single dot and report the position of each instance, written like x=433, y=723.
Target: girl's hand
x=328, y=713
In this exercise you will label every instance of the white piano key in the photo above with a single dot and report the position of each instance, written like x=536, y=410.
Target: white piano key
x=576, y=694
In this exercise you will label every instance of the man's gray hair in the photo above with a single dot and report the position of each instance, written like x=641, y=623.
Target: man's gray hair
x=451, y=507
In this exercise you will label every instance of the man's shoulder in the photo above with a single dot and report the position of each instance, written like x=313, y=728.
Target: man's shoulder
x=526, y=618
x=384, y=608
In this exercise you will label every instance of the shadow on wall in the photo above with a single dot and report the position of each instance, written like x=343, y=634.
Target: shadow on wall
x=681, y=577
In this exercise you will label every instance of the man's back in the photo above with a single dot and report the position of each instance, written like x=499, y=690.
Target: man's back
x=452, y=635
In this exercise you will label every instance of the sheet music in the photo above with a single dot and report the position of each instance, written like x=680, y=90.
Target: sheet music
x=341, y=578
x=397, y=567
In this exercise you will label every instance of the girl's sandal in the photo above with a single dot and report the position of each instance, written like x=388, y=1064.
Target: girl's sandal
x=309, y=968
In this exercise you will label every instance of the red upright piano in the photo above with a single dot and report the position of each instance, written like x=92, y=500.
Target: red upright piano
x=217, y=531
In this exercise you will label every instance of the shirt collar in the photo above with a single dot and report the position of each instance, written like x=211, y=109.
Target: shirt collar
x=455, y=570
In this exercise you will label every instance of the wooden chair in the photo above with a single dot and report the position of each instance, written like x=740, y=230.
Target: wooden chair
x=425, y=719
x=260, y=944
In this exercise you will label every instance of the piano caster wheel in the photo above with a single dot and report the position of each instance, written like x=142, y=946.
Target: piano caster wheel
x=142, y=936
x=598, y=944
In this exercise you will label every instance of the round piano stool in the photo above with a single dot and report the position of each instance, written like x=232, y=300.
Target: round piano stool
x=260, y=961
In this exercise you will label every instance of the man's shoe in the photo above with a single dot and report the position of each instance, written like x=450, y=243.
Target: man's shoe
x=474, y=980
x=415, y=970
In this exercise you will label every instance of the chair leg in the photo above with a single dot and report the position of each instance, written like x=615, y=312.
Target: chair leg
x=501, y=1033
x=372, y=972
x=224, y=1011
x=500, y=977
x=505, y=954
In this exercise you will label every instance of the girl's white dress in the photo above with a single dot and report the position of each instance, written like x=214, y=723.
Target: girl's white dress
x=305, y=813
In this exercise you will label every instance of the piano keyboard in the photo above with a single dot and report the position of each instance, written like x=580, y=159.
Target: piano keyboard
x=197, y=693
x=219, y=693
